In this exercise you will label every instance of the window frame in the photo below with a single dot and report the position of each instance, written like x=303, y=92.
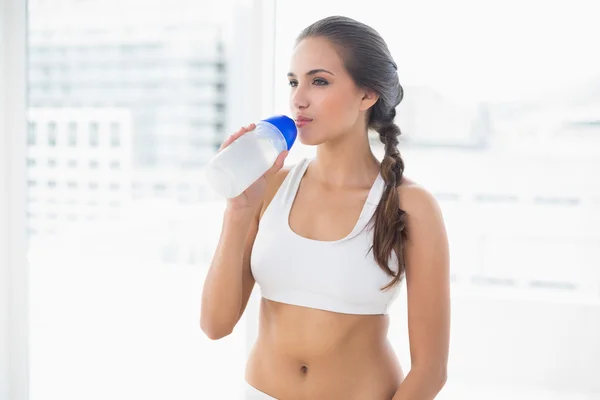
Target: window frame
x=14, y=306
x=254, y=56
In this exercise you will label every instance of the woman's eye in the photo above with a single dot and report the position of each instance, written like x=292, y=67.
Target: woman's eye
x=317, y=81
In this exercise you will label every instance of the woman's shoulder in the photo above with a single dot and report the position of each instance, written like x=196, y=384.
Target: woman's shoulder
x=424, y=222
x=415, y=199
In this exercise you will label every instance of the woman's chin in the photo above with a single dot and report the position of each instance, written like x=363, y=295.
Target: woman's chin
x=308, y=139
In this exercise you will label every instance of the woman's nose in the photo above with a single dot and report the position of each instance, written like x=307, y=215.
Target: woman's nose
x=299, y=99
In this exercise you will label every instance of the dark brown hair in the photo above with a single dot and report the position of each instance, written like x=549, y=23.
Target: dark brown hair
x=370, y=64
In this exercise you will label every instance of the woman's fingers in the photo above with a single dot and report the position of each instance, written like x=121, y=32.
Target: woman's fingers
x=234, y=136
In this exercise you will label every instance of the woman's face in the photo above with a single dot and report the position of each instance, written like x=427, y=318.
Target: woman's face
x=325, y=102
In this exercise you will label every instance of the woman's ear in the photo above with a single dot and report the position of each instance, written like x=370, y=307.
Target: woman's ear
x=369, y=98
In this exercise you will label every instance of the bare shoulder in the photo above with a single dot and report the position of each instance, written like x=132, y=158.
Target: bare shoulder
x=428, y=246
x=419, y=203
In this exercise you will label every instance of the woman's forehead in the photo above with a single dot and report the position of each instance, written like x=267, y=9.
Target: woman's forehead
x=315, y=53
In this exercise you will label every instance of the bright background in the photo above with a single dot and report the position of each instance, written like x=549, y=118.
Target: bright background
x=129, y=99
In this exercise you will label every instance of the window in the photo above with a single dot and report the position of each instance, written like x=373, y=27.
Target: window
x=31, y=133
x=93, y=134
x=52, y=134
x=72, y=134
x=160, y=187
x=115, y=139
x=115, y=125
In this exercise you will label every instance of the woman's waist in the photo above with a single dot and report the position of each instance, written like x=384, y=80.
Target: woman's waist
x=346, y=370
x=324, y=355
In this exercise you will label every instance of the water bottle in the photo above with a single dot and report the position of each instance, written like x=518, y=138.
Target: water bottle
x=247, y=158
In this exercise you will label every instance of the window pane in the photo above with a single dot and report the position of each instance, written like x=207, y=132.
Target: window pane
x=52, y=134
x=128, y=101
x=93, y=134
x=31, y=134
x=72, y=134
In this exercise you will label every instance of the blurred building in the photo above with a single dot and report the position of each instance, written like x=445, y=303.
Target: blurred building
x=168, y=70
x=557, y=128
x=124, y=113
x=79, y=165
x=429, y=119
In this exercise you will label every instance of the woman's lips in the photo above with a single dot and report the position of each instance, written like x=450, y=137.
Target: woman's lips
x=302, y=121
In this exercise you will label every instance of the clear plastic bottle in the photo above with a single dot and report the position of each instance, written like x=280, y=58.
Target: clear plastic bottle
x=240, y=164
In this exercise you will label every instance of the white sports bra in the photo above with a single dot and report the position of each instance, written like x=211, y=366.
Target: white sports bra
x=340, y=276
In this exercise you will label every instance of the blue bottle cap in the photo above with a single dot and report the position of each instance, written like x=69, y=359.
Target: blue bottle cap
x=286, y=126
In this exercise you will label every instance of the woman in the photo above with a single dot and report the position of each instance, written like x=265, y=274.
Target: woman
x=329, y=240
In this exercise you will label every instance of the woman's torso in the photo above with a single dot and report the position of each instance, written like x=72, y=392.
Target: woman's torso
x=312, y=354
x=323, y=343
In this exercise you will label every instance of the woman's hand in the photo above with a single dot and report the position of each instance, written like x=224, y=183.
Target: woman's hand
x=252, y=197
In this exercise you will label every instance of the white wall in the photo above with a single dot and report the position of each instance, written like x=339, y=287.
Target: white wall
x=13, y=271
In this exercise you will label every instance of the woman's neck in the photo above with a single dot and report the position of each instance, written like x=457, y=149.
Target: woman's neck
x=348, y=162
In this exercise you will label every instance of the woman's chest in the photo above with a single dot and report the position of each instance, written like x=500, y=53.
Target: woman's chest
x=343, y=270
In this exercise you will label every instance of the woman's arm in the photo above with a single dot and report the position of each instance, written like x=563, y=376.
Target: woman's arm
x=229, y=281
x=428, y=292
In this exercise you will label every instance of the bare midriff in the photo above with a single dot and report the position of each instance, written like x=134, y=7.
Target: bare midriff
x=305, y=353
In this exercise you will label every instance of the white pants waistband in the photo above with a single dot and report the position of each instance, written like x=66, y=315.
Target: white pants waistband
x=253, y=393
